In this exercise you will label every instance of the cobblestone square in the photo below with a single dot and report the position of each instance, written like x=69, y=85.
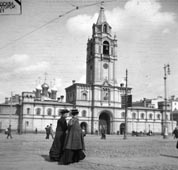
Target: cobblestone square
x=30, y=151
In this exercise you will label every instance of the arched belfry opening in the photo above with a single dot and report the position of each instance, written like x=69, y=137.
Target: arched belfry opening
x=106, y=48
x=105, y=28
x=105, y=121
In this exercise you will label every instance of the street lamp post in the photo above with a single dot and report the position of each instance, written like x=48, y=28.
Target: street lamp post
x=165, y=125
x=126, y=102
x=10, y=114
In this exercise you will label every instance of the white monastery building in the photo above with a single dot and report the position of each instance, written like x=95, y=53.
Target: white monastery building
x=98, y=100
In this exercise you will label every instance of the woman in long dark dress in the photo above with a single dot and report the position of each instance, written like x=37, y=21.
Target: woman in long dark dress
x=58, y=143
x=74, y=143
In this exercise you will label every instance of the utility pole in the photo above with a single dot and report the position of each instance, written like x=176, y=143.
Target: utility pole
x=126, y=103
x=165, y=125
x=10, y=115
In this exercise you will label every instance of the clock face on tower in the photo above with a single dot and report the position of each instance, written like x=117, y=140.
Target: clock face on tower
x=105, y=65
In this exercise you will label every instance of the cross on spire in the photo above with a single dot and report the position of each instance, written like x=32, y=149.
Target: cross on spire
x=45, y=76
x=101, y=17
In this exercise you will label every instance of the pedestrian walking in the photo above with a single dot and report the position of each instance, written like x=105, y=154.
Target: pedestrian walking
x=47, y=128
x=9, y=134
x=103, y=133
x=74, y=143
x=175, y=133
x=36, y=130
x=56, y=149
x=51, y=131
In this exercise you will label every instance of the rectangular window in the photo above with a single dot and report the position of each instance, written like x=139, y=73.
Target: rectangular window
x=28, y=111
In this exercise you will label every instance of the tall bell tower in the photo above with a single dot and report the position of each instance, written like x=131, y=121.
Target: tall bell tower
x=101, y=53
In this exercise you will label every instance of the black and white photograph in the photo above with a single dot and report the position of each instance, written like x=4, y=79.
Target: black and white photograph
x=89, y=84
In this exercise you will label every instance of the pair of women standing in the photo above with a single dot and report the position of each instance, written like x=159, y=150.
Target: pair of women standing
x=68, y=144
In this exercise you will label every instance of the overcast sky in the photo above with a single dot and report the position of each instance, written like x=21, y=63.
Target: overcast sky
x=147, y=33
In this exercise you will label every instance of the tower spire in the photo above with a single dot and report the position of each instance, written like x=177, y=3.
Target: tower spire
x=101, y=17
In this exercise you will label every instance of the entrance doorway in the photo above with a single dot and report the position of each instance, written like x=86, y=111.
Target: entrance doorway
x=104, y=122
x=122, y=128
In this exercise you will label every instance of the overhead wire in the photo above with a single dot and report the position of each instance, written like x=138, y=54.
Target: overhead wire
x=51, y=21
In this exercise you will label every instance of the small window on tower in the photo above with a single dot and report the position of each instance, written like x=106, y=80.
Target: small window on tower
x=105, y=28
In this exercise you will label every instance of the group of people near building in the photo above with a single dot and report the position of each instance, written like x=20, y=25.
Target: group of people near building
x=68, y=144
x=49, y=131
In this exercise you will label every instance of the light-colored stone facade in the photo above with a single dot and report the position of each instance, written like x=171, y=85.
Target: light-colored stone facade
x=98, y=101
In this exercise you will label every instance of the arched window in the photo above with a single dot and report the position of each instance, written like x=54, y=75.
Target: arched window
x=158, y=117
x=142, y=116
x=28, y=111
x=84, y=113
x=84, y=96
x=150, y=116
x=105, y=28
x=105, y=48
x=133, y=115
x=49, y=112
x=123, y=115
x=38, y=111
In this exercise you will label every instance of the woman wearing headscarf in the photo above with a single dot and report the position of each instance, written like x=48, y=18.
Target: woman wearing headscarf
x=74, y=143
x=58, y=143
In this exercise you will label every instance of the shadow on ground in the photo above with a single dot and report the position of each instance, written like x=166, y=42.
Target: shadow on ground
x=46, y=158
x=170, y=156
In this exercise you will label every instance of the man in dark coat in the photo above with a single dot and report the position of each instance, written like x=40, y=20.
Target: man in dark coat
x=58, y=143
x=175, y=133
x=74, y=143
x=47, y=128
x=103, y=133
x=9, y=132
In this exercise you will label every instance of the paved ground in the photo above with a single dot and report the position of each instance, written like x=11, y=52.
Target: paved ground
x=30, y=152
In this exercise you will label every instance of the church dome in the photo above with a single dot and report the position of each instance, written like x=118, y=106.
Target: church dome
x=45, y=85
x=54, y=88
x=38, y=87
